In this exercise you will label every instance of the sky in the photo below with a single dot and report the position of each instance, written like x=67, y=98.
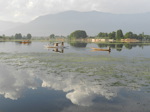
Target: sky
x=27, y=10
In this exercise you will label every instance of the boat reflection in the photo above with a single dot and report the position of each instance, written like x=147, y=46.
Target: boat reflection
x=58, y=50
x=56, y=47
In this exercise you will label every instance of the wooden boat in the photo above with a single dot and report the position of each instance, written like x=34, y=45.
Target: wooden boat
x=98, y=49
x=25, y=42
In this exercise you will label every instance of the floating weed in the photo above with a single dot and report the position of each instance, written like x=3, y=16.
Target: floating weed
x=118, y=76
x=131, y=81
x=106, y=68
x=118, y=83
x=147, y=77
x=59, y=65
x=145, y=73
x=144, y=85
x=80, y=70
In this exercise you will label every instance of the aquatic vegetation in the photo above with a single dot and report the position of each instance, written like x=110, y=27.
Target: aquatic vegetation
x=116, y=71
x=83, y=78
x=118, y=83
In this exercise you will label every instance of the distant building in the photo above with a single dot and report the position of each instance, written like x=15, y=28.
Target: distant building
x=129, y=40
x=102, y=40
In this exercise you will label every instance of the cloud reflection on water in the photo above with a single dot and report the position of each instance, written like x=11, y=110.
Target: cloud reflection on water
x=80, y=91
x=13, y=83
x=81, y=84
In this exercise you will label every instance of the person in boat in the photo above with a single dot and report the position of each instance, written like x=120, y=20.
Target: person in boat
x=56, y=44
x=62, y=44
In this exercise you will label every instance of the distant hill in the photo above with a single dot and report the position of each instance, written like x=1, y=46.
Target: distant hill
x=92, y=22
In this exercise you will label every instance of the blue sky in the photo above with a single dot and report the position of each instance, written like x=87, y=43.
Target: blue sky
x=27, y=10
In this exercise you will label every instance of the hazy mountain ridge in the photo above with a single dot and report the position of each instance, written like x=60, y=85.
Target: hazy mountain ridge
x=92, y=22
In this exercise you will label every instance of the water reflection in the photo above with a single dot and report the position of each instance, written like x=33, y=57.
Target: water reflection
x=83, y=84
x=59, y=50
x=81, y=90
x=13, y=83
x=129, y=46
x=119, y=46
x=87, y=82
x=57, y=47
x=78, y=44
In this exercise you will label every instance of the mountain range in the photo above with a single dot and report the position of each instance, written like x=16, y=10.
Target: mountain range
x=92, y=22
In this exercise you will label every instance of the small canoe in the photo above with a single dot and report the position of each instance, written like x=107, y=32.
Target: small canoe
x=98, y=49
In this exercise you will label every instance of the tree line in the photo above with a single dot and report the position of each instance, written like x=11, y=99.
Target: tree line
x=119, y=35
x=116, y=35
x=81, y=34
x=17, y=36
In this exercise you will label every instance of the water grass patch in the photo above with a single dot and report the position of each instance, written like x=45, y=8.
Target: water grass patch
x=115, y=71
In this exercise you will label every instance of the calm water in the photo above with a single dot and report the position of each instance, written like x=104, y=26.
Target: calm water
x=74, y=79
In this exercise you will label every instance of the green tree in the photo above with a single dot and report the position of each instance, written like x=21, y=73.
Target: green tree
x=79, y=34
x=112, y=35
x=128, y=35
x=135, y=36
x=119, y=34
x=29, y=36
x=101, y=34
x=52, y=36
x=140, y=36
x=18, y=36
x=3, y=37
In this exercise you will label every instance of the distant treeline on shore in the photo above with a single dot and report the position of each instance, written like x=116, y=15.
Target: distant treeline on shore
x=118, y=35
x=81, y=34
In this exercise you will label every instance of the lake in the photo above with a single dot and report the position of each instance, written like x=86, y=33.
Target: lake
x=74, y=79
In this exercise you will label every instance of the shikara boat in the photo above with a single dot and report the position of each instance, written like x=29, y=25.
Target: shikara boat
x=25, y=42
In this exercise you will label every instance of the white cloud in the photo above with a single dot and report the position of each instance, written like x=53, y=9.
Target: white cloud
x=26, y=10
